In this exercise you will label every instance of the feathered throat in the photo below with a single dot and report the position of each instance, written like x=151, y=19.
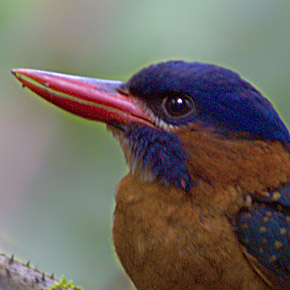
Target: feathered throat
x=154, y=154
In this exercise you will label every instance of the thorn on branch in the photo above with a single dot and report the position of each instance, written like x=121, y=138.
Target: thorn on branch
x=11, y=260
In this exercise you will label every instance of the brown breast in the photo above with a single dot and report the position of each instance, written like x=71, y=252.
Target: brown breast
x=166, y=241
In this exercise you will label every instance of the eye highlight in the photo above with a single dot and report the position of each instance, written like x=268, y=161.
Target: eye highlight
x=178, y=106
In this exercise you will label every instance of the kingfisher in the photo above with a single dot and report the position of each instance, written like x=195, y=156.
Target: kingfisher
x=206, y=202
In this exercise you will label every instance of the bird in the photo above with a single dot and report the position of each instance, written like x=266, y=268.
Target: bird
x=206, y=201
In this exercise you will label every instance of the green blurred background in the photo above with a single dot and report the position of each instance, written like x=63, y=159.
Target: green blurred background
x=58, y=173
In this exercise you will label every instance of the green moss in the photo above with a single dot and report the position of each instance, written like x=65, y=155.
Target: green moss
x=65, y=285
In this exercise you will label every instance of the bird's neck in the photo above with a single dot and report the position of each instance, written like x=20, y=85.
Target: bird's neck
x=248, y=165
x=219, y=165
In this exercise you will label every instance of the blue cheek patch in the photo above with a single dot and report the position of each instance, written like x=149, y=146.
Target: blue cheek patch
x=264, y=230
x=162, y=152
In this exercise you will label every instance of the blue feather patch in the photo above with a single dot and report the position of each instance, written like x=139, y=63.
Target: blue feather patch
x=264, y=229
x=160, y=152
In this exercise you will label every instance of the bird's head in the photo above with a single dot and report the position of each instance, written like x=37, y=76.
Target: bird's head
x=162, y=110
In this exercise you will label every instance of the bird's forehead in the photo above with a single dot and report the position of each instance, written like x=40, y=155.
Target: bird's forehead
x=183, y=77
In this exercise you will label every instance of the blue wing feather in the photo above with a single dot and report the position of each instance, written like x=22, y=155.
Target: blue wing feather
x=264, y=230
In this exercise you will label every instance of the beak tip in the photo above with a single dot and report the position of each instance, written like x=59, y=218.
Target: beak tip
x=16, y=72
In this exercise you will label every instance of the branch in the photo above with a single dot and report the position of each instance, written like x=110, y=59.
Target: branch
x=17, y=276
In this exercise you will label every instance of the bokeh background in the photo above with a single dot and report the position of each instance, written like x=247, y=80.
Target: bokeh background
x=58, y=173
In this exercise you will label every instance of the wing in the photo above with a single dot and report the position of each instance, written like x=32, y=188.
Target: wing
x=264, y=230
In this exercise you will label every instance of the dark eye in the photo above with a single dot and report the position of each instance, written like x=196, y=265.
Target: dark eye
x=176, y=106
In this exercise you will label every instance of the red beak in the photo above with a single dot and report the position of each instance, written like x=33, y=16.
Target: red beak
x=93, y=99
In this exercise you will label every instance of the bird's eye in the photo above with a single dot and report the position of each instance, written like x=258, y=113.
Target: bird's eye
x=176, y=106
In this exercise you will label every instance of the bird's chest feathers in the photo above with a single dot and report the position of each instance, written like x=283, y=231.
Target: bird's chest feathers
x=155, y=223
x=150, y=214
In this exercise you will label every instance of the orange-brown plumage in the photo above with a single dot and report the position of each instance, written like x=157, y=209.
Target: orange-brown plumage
x=206, y=204
x=168, y=240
